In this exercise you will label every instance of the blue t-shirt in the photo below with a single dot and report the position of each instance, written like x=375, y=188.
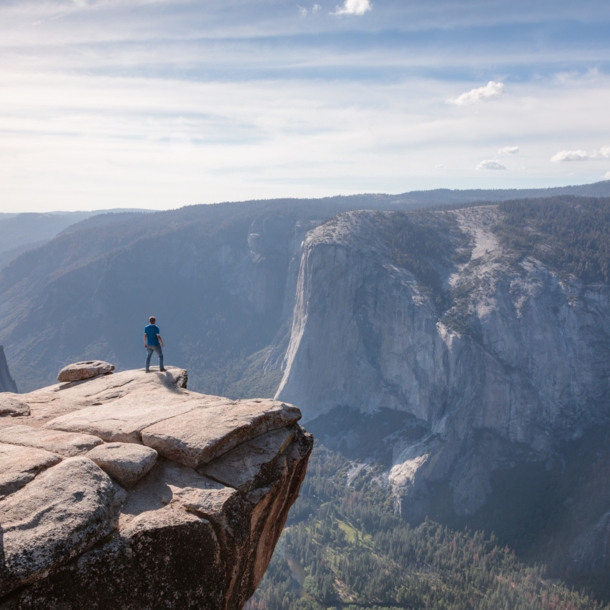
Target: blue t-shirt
x=151, y=331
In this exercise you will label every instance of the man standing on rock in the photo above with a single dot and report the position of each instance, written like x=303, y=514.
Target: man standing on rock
x=153, y=343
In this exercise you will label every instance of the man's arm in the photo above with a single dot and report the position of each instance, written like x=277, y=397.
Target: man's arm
x=145, y=344
x=160, y=341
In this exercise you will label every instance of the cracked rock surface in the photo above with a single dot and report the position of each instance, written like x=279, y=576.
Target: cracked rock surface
x=129, y=491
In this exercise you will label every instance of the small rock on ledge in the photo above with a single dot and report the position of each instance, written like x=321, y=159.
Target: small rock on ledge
x=84, y=370
x=130, y=491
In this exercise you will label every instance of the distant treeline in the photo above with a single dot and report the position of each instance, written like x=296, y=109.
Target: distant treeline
x=570, y=234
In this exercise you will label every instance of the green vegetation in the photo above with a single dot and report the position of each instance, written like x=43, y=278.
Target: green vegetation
x=570, y=234
x=344, y=548
x=417, y=246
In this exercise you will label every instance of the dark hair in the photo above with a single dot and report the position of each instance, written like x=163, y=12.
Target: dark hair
x=152, y=319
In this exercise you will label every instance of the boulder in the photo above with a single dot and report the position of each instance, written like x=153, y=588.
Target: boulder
x=64, y=443
x=73, y=537
x=19, y=465
x=84, y=370
x=10, y=406
x=60, y=514
x=125, y=463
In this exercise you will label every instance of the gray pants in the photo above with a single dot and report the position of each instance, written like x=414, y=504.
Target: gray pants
x=154, y=348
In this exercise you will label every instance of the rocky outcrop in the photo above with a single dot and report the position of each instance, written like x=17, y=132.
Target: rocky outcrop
x=130, y=491
x=497, y=362
x=7, y=384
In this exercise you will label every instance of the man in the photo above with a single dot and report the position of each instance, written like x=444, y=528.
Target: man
x=153, y=343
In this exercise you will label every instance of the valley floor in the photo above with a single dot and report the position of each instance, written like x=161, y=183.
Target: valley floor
x=344, y=548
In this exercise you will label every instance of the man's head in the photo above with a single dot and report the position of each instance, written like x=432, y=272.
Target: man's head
x=152, y=319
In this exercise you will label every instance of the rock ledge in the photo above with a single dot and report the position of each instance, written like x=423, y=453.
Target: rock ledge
x=130, y=491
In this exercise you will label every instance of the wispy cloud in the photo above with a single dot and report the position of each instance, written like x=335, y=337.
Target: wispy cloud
x=489, y=91
x=490, y=164
x=354, y=7
x=315, y=9
x=509, y=150
x=213, y=101
x=570, y=155
x=581, y=155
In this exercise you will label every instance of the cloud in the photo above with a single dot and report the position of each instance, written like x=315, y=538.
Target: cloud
x=581, y=155
x=509, y=150
x=490, y=164
x=354, y=7
x=607, y=176
x=489, y=91
x=571, y=155
x=316, y=8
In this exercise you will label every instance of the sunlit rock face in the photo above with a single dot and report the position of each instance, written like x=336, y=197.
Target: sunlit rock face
x=127, y=490
x=493, y=358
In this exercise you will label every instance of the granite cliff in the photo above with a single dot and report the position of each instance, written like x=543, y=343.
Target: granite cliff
x=7, y=383
x=428, y=342
x=129, y=491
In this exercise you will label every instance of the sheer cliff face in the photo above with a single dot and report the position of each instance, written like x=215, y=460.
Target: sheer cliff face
x=129, y=491
x=7, y=383
x=496, y=358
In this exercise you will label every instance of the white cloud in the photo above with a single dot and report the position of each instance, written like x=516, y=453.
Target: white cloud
x=509, y=150
x=607, y=176
x=489, y=91
x=581, y=155
x=316, y=8
x=490, y=164
x=354, y=7
x=571, y=155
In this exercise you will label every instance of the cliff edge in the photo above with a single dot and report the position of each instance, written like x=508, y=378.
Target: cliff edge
x=127, y=490
x=7, y=383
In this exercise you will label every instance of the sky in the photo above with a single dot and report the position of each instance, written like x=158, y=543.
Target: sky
x=163, y=103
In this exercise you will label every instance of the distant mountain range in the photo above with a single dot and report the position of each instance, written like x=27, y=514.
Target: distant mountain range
x=22, y=232
x=80, y=284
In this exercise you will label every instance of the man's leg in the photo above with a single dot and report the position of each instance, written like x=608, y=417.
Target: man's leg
x=148, y=357
x=160, y=353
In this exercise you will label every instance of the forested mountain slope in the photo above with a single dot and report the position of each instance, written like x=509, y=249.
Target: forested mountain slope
x=345, y=548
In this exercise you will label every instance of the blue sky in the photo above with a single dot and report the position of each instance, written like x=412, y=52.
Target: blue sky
x=159, y=104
